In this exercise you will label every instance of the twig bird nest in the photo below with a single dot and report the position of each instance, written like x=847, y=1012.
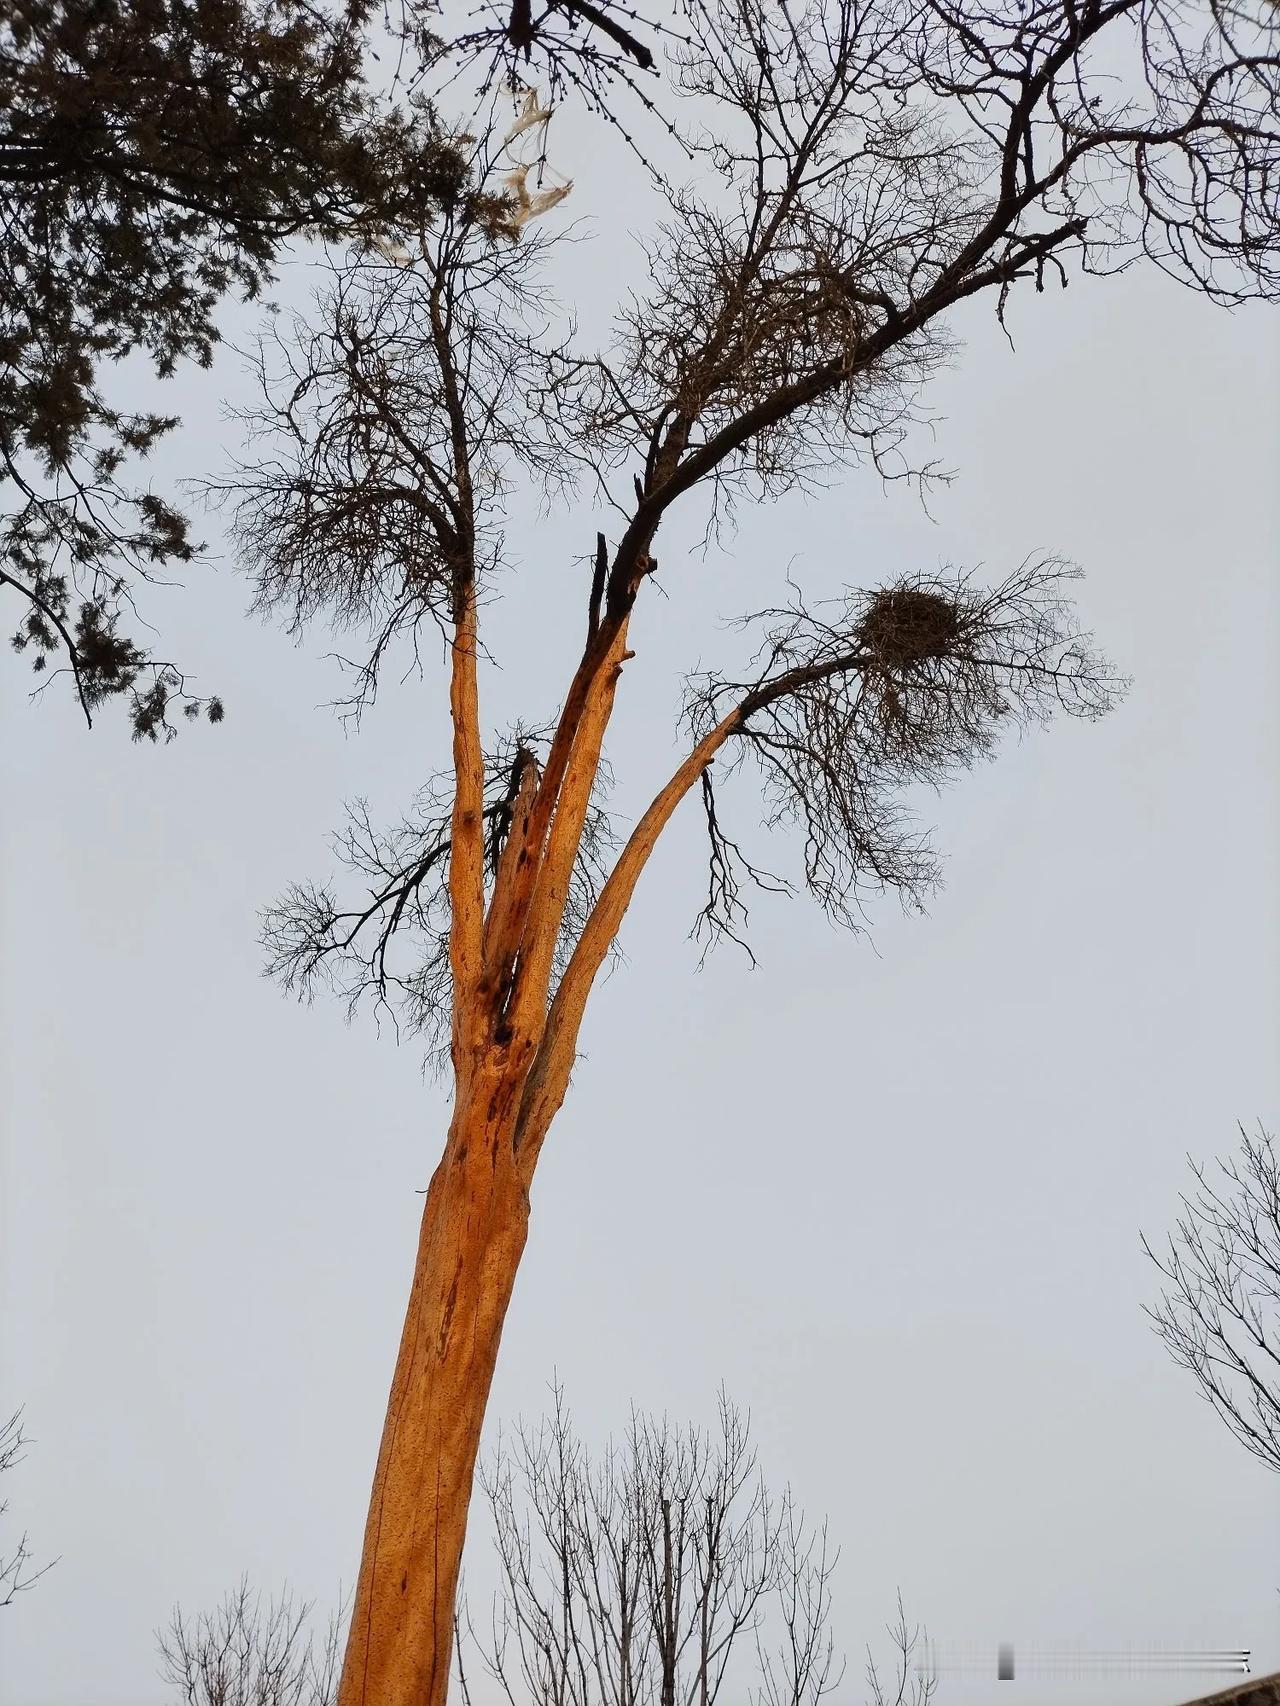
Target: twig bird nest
x=904, y=625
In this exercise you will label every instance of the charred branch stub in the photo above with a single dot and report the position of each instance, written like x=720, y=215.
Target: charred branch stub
x=524, y=768
x=600, y=569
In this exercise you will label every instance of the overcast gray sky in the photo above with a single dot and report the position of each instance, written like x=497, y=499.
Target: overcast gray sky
x=888, y=1191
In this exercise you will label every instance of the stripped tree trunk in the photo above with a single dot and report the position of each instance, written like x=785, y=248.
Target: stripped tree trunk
x=473, y=1233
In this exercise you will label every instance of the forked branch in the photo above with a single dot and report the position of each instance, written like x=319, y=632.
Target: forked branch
x=904, y=686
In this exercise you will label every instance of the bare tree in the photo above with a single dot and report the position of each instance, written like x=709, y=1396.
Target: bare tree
x=1220, y=1315
x=16, y=1571
x=248, y=1654
x=663, y=1573
x=860, y=172
x=912, y=1681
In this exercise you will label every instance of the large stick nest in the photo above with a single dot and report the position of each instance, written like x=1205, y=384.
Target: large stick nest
x=905, y=625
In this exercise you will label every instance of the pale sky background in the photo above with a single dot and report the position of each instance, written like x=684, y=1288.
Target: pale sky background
x=887, y=1191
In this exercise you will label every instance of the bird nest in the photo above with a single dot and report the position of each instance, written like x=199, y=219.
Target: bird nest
x=905, y=625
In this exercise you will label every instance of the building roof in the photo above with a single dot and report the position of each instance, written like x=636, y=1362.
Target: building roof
x=1253, y=1691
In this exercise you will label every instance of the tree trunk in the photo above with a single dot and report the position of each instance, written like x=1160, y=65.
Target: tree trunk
x=474, y=1226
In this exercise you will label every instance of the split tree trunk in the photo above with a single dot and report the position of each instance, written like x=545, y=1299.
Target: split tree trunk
x=512, y=1058
x=473, y=1233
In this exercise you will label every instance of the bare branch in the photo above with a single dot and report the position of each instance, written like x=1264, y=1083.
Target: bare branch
x=906, y=686
x=654, y=1573
x=16, y=1572
x=1220, y=1316
x=912, y=1681
x=246, y=1653
x=392, y=947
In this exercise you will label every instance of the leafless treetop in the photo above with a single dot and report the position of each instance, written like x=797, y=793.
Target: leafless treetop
x=663, y=1571
x=859, y=173
x=249, y=1654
